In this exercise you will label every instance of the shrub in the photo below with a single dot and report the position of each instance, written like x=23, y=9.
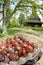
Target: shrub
x=38, y=28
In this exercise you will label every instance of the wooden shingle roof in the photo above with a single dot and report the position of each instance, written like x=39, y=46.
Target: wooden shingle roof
x=34, y=20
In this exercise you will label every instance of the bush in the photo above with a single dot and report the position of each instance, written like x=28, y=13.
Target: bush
x=38, y=28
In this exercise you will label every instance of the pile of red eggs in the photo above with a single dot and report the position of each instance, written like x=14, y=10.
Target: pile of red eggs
x=13, y=48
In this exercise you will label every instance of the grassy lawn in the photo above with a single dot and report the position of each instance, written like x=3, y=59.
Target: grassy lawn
x=10, y=33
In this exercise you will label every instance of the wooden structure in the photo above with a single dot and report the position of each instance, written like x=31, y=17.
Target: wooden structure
x=34, y=21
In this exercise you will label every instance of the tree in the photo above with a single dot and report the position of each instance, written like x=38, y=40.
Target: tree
x=4, y=5
x=34, y=10
x=27, y=18
x=22, y=5
x=21, y=19
x=13, y=23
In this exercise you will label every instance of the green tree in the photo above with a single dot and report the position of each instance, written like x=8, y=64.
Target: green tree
x=21, y=19
x=22, y=5
x=27, y=18
x=13, y=23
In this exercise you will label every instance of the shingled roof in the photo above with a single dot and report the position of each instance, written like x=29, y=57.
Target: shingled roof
x=34, y=20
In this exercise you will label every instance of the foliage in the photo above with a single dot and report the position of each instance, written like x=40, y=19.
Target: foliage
x=38, y=28
x=1, y=2
x=21, y=19
x=0, y=29
x=27, y=18
x=22, y=6
x=9, y=11
x=13, y=23
x=34, y=12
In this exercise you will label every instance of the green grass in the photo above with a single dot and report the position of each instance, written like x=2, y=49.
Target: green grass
x=10, y=33
x=38, y=29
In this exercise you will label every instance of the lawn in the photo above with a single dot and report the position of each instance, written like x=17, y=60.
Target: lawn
x=10, y=33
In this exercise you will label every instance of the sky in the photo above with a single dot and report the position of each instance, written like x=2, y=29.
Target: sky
x=12, y=6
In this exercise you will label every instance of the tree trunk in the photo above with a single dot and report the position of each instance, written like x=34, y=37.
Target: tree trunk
x=4, y=19
x=4, y=29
